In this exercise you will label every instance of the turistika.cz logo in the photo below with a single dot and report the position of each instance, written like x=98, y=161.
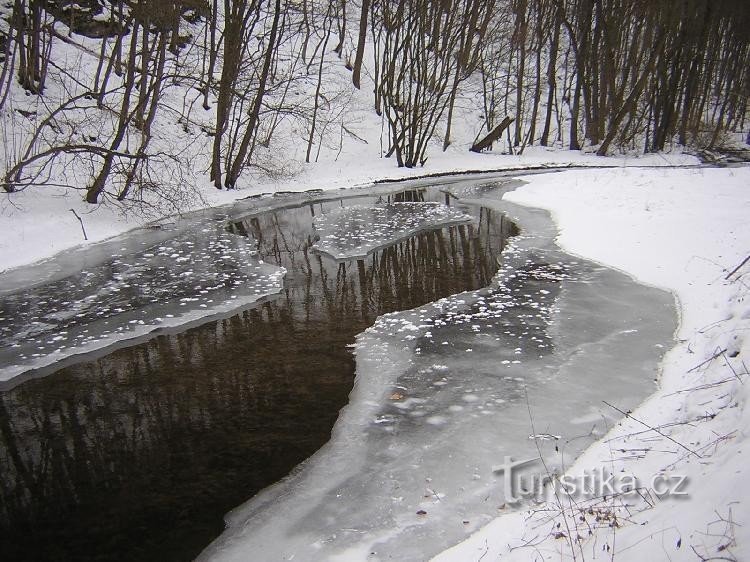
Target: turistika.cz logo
x=520, y=482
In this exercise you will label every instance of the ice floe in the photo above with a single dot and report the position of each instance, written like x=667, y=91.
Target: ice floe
x=355, y=231
x=170, y=283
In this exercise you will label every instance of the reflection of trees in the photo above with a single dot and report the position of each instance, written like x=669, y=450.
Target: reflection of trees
x=425, y=267
x=153, y=444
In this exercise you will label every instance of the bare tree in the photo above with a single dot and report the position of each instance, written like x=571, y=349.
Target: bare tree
x=233, y=171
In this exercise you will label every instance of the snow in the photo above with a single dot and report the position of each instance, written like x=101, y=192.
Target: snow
x=38, y=223
x=683, y=230
x=678, y=229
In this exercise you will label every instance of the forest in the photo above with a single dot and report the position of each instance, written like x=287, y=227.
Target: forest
x=119, y=99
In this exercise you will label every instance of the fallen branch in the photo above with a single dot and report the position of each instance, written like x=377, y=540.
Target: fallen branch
x=714, y=356
x=353, y=134
x=735, y=373
x=495, y=134
x=702, y=386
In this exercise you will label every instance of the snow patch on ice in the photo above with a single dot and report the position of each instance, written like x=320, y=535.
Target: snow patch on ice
x=355, y=231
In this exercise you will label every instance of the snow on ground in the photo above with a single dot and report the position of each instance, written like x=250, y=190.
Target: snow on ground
x=684, y=230
x=37, y=223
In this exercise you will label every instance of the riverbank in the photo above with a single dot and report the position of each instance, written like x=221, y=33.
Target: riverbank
x=685, y=231
x=38, y=223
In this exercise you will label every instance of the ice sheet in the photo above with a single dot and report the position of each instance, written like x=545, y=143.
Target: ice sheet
x=195, y=274
x=445, y=392
x=355, y=231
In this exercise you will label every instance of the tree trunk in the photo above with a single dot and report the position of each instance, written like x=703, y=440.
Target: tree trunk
x=495, y=134
x=239, y=160
x=634, y=95
x=356, y=71
x=551, y=79
x=317, y=88
x=97, y=187
x=520, y=40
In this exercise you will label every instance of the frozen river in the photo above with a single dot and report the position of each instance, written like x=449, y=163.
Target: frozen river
x=447, y=391
x=180, y=371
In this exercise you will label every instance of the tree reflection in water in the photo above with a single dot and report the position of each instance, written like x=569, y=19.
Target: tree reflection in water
x=139, y=454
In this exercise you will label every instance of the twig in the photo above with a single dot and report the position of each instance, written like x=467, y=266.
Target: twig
x=736, y=269
x=704, y=559
x=628, y=415
x=714, y=356
x=554, y=488
x=636, y=433
x=353, y=134
x=81, y=221
x=486, y=549
x=528, y=543
x=703, y=386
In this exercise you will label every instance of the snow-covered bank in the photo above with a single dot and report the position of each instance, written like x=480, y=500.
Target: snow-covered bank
x=38, y=223
x=684, y=230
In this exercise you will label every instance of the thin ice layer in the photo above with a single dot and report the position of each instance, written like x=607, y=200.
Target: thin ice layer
x=445, y=393
x=353, y=232
x=173, y=282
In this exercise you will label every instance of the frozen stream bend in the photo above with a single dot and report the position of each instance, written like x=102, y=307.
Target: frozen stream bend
x=443, y=394
x=150, y=284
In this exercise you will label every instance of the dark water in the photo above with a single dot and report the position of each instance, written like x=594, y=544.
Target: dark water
x=139, y=454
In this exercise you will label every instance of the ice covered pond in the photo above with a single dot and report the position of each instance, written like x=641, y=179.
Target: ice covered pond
x=454, y=336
